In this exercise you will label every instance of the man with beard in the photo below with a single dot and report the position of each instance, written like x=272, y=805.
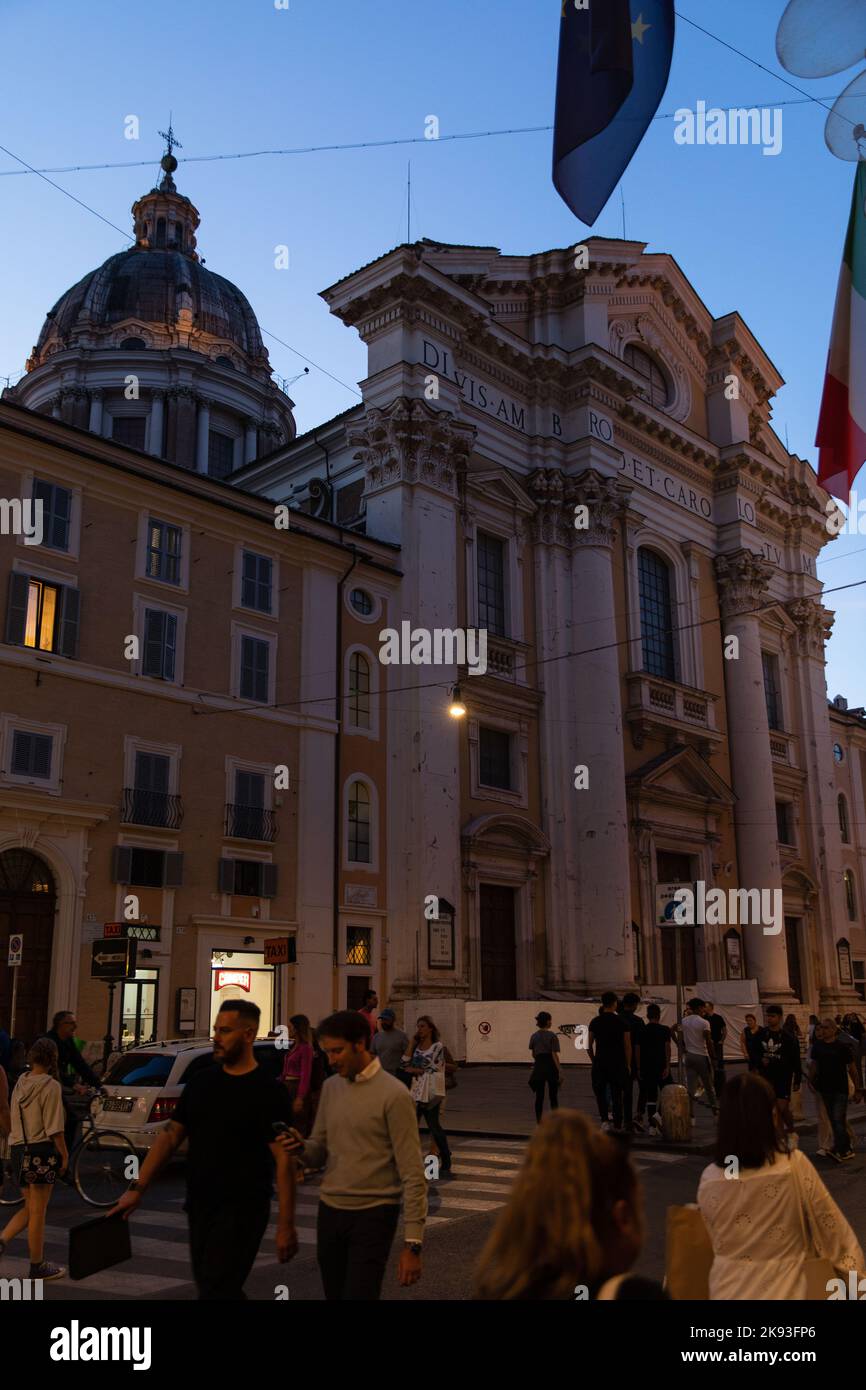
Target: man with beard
x=228, y=1112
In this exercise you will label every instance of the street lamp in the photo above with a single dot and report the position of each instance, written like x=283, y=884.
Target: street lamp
x=456, y=707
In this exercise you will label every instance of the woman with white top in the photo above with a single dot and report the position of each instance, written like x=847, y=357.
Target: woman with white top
x=425, y=1063
x=38, y=1151
x=771, y=1213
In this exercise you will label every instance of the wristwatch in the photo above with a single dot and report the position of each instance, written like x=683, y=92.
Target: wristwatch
x=414, y=1246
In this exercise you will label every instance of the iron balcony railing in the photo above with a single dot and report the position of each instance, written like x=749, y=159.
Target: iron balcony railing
x=151, y=808
x=250, y=822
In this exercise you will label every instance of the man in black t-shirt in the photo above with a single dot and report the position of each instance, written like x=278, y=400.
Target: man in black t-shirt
x=610, y=1050
x=832, y=1065
x=228, y=1112
x=779, y=1062
x=635, y=1027
x=655, y=1063
x=718, y=1033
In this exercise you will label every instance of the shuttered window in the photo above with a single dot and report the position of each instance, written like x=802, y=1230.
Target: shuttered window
x=163, y=551
x=255, y=665
x=256, y=582
x=56, y=513
x=245, y=878
x=160, y=644
x=31, y=754
x=42, y=616
x=146, y=868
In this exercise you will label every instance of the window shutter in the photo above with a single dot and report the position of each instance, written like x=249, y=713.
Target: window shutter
x=121, y=864
x=21, y=745
x=41, y=755
x=70, y=608
x=227, y=875
x=269, y=880
x=153, y=631
x=16, y=611
x=168, y=665
x=172, y=869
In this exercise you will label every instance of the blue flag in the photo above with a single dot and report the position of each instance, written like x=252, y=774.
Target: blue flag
x=614, y=60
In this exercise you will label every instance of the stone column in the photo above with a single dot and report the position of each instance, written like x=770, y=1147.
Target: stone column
x=155, y=424
x=251, y=443
x=743, y=579
x=95, y=422
x=589, y=941
x=202, y=435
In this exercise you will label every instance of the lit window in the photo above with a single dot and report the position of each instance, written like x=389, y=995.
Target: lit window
x=42, y=616
x=359, y=946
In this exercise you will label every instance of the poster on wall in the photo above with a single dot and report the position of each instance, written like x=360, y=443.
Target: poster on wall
x=186, y=1003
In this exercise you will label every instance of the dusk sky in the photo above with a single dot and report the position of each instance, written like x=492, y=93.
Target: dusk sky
x=757, y=233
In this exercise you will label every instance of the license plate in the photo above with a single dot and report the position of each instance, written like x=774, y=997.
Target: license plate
x=116, y=1103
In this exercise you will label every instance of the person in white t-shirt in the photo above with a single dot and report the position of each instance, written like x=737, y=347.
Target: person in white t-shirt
x=697, y=1042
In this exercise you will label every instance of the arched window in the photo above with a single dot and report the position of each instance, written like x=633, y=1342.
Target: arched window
x=656, y=383
x=656, y=615
x=850, y=898
x=844, y=830
x=133, y=344
x=359, y=691
x=160, y=231
x=359, y=824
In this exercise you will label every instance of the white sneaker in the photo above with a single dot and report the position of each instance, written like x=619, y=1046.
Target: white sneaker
x=606, y=1126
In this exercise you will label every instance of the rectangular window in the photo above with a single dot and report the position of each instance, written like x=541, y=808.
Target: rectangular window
x=359, y=946
x=256, y=582
x=248, y=813
x=246, y=878
x=784, y=823
x=42, y=616
x=150, y=796
x=771, y=689
x=255, y=665
x=129, y=429
x=491, y=583
x=220, y=454
x=494, y=758
x=56, y=513
x=160, y=644
x=163, y=551
x=146, y=868
x=31, y=754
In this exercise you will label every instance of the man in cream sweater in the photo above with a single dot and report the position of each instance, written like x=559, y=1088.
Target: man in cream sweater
x=366, y=1135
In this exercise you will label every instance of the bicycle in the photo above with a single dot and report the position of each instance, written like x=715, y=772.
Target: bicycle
x=99, y=1167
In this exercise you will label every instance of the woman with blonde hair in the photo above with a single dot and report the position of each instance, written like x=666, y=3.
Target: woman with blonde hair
x=573, y=1224
x=38, y=1151
x=425, y=1062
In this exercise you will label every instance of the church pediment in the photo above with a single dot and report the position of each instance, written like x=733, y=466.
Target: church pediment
x=497, y=486
x=680, y=775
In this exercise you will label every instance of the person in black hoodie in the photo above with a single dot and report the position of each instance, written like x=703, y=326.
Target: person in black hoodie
x=779, y=1062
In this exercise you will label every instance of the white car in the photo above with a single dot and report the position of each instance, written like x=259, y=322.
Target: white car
x=144, y=1085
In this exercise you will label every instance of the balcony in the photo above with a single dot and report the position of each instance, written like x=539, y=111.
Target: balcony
x=159, y=809
x=250, y=823
x=783, y=748
x=506, y=659
x=677, y=713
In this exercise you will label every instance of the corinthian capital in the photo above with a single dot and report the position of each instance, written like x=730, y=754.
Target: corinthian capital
x=409, y=442
x=743, y=578
x=814, y=625
x=557, y=498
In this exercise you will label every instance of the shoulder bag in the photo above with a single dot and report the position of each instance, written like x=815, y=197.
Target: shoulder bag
x=688, y=1253
x=39, y=1162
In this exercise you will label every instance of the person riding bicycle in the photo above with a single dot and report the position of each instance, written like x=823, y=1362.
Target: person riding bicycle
x=76, y=1077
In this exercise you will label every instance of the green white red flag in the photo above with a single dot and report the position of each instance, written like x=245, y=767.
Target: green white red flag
x=841, y=436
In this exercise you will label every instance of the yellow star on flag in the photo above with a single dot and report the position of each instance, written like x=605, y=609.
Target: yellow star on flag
x=638, y=29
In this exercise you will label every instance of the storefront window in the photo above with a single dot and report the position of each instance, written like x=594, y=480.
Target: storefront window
x=243, y=975
x=138, y=1016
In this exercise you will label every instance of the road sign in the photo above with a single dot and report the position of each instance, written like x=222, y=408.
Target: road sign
x=281, y=950
x=112, y=960
x=16, y=949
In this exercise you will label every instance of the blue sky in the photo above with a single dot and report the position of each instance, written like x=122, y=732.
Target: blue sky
x=759, y=234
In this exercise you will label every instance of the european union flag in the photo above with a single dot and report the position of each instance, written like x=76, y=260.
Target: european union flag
x=614, y=60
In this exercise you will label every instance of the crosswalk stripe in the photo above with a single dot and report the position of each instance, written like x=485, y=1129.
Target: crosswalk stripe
x=512, y=1160
x=464, y=1204
x=460, y=1185
x=114, y=1282
x=489, y=1172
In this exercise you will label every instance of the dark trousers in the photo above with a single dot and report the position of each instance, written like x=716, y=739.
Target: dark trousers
x=352, y=1248
x=718, y=1077
x=224, y=1240
x=538, y=1085
x=836, y=1104
x=431, y=1113
x=650, y=1085
x=601, y=1080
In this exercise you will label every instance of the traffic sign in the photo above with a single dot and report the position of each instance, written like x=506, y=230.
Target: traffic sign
x=16, y=948
x=113, y=960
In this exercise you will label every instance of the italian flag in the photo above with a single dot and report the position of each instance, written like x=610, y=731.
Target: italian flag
x=841, y=434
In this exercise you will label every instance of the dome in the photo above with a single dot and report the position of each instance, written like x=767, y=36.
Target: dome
x=150, y=287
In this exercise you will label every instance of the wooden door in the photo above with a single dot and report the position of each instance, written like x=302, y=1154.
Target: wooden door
x=27, y=900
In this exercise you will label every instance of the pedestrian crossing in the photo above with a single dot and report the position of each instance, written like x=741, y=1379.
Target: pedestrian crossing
x=483, y=1171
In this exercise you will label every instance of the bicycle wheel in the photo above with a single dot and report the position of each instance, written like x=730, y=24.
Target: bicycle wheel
x=101, y=1169
x=10, y=1193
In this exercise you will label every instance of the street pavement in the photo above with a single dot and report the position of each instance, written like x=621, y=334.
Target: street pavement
x=462, y=1209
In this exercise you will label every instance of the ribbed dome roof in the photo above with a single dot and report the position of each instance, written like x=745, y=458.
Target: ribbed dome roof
x=152, y=286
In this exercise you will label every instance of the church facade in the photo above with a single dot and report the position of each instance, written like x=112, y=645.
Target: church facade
x=457, y=694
